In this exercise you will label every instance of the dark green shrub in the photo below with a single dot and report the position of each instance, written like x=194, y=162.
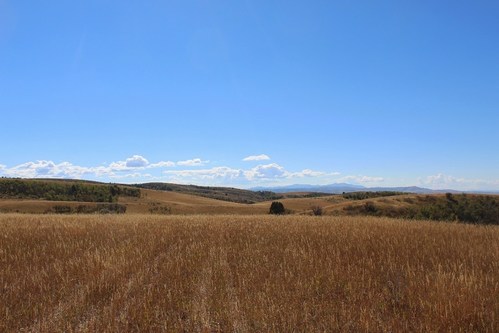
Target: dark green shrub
x=60, y=209
x=370, y=208
x=317, y=210
x=277, y=208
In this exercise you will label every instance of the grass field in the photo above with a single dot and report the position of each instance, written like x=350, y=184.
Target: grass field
x=245, y=274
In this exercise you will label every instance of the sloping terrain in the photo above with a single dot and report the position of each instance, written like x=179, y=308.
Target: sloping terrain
x=161, y=202
x=228, y=193
x=153, y=202
x=219, y=193
x=482, y=209
x=472, y=208
x=74, y=196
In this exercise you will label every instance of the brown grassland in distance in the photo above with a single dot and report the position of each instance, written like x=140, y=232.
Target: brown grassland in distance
x=228, y=273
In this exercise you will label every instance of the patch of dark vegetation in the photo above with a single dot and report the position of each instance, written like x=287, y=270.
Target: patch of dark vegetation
x=368, y=208
x=477, y=209
x=408, y=200
x=317, y=210
x=218, y=193
x=277, y=208
x=56, y=190
x=100, y=208
x=369, y=195
x=315, y=195
x=306, y=195
x=158, y=208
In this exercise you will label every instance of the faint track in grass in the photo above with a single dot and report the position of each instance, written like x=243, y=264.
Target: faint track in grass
x=201, y=301
x=235, y=314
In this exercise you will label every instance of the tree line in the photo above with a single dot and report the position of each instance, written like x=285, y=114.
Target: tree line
x=368, y=195
x=63, y=191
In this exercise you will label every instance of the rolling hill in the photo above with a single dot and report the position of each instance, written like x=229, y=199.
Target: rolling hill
x=219, y=193
x=64, y=196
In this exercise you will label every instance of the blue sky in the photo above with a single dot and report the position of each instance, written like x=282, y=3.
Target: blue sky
x=373, y=93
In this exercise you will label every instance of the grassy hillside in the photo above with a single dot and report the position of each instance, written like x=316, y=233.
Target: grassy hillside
x=470, y=208
x=51, y=196
x=164, y=202
x=227, y=193
x=143, y=273
x=219, y=193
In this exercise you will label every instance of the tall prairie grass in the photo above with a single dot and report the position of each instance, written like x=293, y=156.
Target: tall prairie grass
x=140, y=273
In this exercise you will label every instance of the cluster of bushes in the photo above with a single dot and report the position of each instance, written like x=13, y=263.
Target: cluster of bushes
x=63, y=191
x=368, y=208
x=316, y=195
x=317, y=210
x=306, y=195
x=158, y=208
x=277, y=208
x=127, y=191
x=369, y=195
x=479, y=209
x=104, y=208
x=267, y=195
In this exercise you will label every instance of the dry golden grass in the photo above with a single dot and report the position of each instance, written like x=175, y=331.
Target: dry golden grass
x=177, y=203
x=143, y=273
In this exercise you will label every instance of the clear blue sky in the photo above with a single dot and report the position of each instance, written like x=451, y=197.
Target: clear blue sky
x=367, y=92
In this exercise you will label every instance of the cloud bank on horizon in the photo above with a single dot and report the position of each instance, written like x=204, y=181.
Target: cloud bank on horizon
x=137, y=168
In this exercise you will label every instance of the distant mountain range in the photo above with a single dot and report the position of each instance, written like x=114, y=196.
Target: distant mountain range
x=338, y=188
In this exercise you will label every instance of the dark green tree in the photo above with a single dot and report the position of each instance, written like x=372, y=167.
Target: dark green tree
x=277, y=208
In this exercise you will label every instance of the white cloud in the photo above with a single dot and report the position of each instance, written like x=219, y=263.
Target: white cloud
x=207, y=174
x=48, y=169
x=261, y=157
x=132, y=175
x=264, y=172
x=311, y=173
x=138, y=167
x=443, y=181
x=361, y=179
x=162, y=164
x=136, y=161
x=193, y=162
x=267, y=171
x=440, y=180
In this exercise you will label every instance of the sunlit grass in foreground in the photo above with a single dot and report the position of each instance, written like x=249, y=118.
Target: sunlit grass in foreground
x=245, y=273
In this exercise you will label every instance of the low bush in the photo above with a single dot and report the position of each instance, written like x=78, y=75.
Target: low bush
x=277, y=208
